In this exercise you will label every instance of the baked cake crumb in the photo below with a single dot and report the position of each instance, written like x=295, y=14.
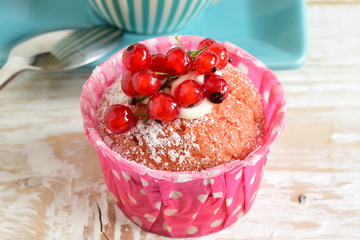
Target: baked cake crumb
x=230, y=132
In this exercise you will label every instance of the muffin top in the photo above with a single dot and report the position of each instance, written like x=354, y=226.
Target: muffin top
x=231, y=131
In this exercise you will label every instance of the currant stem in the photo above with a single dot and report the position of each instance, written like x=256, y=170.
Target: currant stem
x=146, y=120
x=134, y=101
x=161, y=73
x=167, y=82
x=178, y=40
x=193, y=54
x=139, y=114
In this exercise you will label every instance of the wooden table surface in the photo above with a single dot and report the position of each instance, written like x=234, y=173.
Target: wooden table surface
x=51, y=185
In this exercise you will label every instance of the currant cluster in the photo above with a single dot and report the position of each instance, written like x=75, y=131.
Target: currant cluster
x=147, y=75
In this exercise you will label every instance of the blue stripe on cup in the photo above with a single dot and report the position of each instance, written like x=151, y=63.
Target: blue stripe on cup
x=149, y=16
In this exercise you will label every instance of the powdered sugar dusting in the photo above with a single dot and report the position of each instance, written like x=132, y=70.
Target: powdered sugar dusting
x=230, y=132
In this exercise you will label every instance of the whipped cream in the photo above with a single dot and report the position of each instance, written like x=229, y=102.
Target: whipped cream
x=199, y=110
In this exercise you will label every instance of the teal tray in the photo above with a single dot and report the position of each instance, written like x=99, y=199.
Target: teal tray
x=273, y=31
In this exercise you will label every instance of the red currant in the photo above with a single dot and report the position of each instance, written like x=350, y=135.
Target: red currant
x=216, y=88
x=221, y=52
x=163, y=107
x=189, y=93
x=146, y=82
x=206, y=62
x=206, y=42
x=127, y=86
x=119, y=119
x=179, y=61
x=159, y=63
x=136, y=57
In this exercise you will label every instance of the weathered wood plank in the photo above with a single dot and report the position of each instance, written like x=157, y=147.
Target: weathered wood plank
x=51, y=185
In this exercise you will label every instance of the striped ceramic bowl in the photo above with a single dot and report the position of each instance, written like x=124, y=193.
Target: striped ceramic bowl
x=149, y=16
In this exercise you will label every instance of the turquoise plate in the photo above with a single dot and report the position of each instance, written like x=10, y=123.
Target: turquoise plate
x=273, y=31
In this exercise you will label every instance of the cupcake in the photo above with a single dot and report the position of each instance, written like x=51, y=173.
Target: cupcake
x=180, y=164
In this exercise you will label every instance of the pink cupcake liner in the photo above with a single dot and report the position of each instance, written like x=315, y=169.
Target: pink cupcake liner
x=184, y=204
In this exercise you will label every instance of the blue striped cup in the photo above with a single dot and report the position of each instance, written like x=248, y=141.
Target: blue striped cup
x=149, y=16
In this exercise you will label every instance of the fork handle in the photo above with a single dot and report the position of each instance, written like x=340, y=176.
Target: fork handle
x=12, y=67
